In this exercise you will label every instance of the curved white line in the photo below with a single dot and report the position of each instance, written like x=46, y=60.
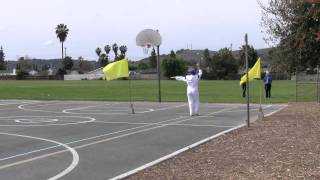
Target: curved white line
x=43, y=125
x=74, y=153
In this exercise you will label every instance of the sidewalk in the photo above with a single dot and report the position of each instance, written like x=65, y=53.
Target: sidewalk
x=285, y=145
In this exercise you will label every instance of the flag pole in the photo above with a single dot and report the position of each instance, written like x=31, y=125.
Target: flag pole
x=130, y=95
x=261, y=115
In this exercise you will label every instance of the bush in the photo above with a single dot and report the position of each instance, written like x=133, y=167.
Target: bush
x=21, y=74
x=61, y=71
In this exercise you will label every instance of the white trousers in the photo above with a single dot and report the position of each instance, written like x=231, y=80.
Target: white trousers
x=193, y=100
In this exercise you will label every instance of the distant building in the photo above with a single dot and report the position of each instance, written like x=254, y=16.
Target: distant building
x=8, y=73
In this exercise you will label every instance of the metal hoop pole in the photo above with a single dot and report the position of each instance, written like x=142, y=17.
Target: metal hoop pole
x=247, y=74
x=158, y=69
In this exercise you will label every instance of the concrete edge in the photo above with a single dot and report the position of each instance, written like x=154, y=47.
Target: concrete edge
x=169, y=156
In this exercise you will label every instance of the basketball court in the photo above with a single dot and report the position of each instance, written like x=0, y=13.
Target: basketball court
x=103, y=140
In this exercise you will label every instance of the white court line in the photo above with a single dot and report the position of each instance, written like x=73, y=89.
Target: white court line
x=90, y=119
x=75, y=156
x=114, y=113
x=169, y=156
x=112, y=138
x=72, y=142
x=22, y=107
x=271, y=113
x=191, y=125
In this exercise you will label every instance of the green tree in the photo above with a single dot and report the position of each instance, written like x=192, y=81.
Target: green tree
x=2, y=62
x=225, y=65
x=153, y=59
x=115, y=51
x=103, y=60
x=207, y=58
x=172, y=54
x=123, y=49
x=252, y=56
x=292, y=26
x=62, y=33
x=173, y=66
x=67, y=63
x=142, y=66
x=107, y=50
x=221, y=65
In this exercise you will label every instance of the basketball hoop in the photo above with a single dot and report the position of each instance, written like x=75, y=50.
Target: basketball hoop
x=151, y=38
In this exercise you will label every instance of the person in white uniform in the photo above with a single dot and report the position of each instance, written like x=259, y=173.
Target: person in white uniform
x=192, y=81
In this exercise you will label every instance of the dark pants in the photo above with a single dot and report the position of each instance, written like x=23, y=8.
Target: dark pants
x=244, y=88
x=267, y=88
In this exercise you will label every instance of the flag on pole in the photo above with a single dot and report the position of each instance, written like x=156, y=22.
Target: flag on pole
x=116, y=69
x=254, y=73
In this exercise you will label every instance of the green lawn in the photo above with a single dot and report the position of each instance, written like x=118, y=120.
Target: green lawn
x=210, y=91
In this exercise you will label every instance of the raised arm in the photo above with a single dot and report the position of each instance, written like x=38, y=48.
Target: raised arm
x=199, y=71
x=179, y=78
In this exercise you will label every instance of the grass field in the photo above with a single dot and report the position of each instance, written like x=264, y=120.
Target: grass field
x=210, y=91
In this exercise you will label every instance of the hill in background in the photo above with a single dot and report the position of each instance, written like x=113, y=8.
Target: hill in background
x=193, y=56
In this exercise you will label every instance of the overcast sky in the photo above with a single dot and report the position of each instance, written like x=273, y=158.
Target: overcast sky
x=27, y=27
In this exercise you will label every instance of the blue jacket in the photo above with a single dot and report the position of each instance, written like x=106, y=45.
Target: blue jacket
x=267, y=79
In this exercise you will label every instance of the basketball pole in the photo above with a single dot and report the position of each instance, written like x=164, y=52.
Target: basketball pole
x=158, y=71
x=247, y=74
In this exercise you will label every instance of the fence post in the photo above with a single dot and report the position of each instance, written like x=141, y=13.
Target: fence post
x=318, y=100
x=296, y=85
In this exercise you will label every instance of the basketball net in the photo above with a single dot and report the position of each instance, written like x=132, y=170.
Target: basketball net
x=146, y=48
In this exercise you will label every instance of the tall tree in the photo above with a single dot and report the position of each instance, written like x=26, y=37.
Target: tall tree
x=103, y=60
x=107, y=50
x=81, y=64
x=172, y=54
x=115, y=50
x=62, y=33
x=153, y=58
x=173, y=66
x=67, y=63
x=2, y=62
x=293, y=27
x=123, y=49
x=252, y=56
x=98, y=52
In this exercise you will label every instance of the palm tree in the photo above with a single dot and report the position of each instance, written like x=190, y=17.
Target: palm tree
x=98, y=52
x=123, y=49
x=107, y=49
x=62, y=33
x=115, y=50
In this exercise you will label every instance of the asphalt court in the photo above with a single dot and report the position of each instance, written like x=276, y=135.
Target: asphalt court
x=76, y=140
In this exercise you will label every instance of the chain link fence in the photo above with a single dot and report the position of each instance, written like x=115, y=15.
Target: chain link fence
x=308, y=86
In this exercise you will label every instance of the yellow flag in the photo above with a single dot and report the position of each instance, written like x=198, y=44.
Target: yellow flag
x=116, y=69
x=254, y=73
